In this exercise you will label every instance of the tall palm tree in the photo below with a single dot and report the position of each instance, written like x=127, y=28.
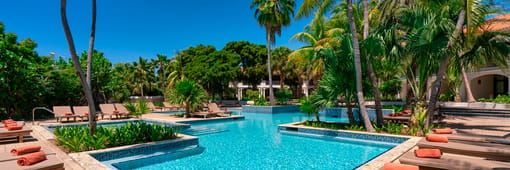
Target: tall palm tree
x=77, y=66
x=91, y=44
x=357, y=67
x=142, y=75
x=273, y=15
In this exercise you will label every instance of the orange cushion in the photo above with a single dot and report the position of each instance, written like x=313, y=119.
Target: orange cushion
x=10, y=124
x=428, y=153
x=86, y=114
x=25, y=150
x=10, y=128
x=396, y=166
x=7, y=121
x=443, y=131
x=436, y=138
x=116, y=111
x=407, y=111
x=68, y=114
x=31, y=159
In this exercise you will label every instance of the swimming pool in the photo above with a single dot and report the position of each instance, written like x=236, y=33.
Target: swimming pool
x=256, y=143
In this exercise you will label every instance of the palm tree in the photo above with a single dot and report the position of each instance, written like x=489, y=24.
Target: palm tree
x=91, y=44
x=187, y=93
x=279, y=58
x=77, y=66
x=161, y=63
x=357, y=67
x=272, y=14
x=142, y=75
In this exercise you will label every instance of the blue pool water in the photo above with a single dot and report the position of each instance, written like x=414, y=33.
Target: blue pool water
x=255, y=143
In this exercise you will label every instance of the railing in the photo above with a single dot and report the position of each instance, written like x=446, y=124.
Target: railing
x=39, y=108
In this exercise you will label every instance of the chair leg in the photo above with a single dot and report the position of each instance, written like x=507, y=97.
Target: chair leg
x=20, y=138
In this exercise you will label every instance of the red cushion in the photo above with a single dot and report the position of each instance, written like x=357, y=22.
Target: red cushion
x=436, y=138
x=116, y=111
x=443, y=131
x=428, y=153
x=396, y=166
x=10, y=128
x=86, y=114
x=68, y=114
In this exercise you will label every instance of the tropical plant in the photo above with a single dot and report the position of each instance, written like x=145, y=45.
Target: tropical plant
x=252, y=94
x=307, y=106
x=188, y=94
x=283, y=96
x=138, y=109
x=272, y=15
x=78, y=139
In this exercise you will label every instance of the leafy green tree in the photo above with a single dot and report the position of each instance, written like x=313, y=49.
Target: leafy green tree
x=279, y=57
x=188, y=94
x=253, y=62
x=100, y=74
x=142, y=76
x=272, y=15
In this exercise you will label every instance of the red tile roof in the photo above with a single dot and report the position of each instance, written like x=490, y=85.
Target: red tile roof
x=499, y=23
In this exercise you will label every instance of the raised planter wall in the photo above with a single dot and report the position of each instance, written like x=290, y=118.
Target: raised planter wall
x=271, y=109
x=342, y=113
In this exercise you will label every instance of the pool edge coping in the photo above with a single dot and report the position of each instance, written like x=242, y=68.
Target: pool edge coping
x=88, y=162
x=379, y=161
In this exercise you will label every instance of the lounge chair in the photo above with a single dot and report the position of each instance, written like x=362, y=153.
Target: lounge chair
x=123, y=111
x=486, y=150
x=204, y=114
x=61, y=111
x=109, y=110
x=477, y=138
x=7, y=161
x=452, y=161
x=214, y=108
x=154, y=107
x=82, y=112
x=20, y=134
x=171, y=106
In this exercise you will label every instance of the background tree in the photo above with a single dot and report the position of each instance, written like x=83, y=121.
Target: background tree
x=279, y=57
x=272, y=15
x=253, y=62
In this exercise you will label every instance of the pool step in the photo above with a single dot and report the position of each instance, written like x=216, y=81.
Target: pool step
x=201, y=130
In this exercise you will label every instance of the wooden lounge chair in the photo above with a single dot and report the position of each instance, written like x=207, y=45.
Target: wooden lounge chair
x=154, y=107
x=123, y=111
x=477, y=138
x=109, y=110
x=171, y=106
x=61, y=111
x=479, y=149
x=20, y=134
x=7, y=161
x=214, y=108
x=204, y=114
x=452, y=161
x=82, y=112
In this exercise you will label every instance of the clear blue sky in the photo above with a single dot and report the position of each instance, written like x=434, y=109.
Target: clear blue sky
x=130, y=28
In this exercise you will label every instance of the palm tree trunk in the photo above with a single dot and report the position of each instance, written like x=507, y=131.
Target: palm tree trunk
x=469, y=93
x=357, y=66
x=271, y=94
x=411, y=77
x=92, y=117
x=74, y=57
x=350, y=115
x=442, y=70
x=370, y=69
x=281, y=80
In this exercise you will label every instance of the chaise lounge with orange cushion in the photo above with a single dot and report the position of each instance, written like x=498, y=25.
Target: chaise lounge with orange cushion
x=452, y=161
x=122, y=110
x=62, y=112
x=486, y=150
x=109, y=110
x=456, y=135
x=49, y=160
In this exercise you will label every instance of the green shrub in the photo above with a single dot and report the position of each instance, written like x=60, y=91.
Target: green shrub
x=78, y=139
x=138, y=109
x=252, y=94
x=283, y=96
x=261, y=101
